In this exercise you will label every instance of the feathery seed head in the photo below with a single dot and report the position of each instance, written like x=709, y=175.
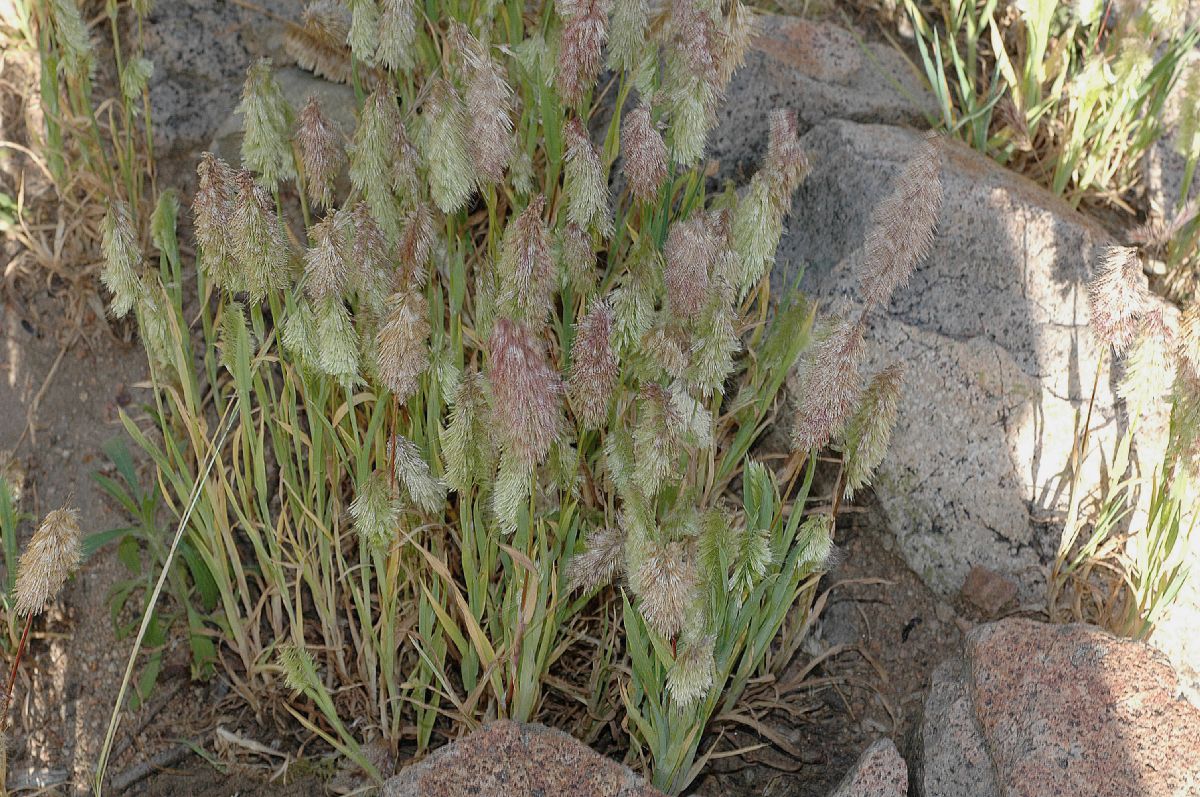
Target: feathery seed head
x=403, y=344
x=73, y=37
x=266, y=145
x=1118, y=297
x=665, y=584
x=122, y=259
x=259, y=246
x=627, y=34
x=691, y=420
x=321, y=152
x=633, y=301
x=757, y=228
x=373, y=157
x=577, y=260
x=363, y=36
x=319, y=43
x=816, y=536
x=601, y=560
x=526, y=392
x=451, y=173
x=326, y=272
x=664, y=351
x=135, y=77
x=691, y=676
x=902, y=226
x=415, y=245
x=585, y=29
x=397, y=34
x=466, y=440
x=527, y=273
x=510, y=492
x=424, y=490
x=53, y=554
x=298, y=335
x=786, y=163
x=212, y=214
x=594, y=369
x=831, y=384
x=1149, y=366
x=690, y=251
x=655, y=445
x=690, y=102
x=692, y=34
x=714, y=344
x=520, y=172
x=490, y=107
x=296, y=663
x=751, y=557
x=337, y=343
x=733, y=41
x=376, y=512
x=645, y=154
x=585, y=184
x=870, y=430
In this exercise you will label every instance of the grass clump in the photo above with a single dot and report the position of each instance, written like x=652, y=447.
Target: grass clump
x=459, y=413
x=1070, y=94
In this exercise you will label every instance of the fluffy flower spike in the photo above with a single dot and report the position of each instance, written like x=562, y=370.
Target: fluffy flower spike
x=51, y=557
x=902, y=226
x=832, y=386
x=321, y=152
x=526, y=392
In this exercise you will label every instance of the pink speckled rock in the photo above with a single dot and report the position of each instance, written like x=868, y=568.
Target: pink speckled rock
x=880, y=772
x=1072, y=710
x=513, y=759
x=1057, y=711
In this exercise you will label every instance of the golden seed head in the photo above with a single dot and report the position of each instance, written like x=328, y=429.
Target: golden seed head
x=53, y=554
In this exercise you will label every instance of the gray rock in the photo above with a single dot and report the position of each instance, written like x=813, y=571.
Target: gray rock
x=200, y=52
x=993, y=331
x=879, y=772
x=516, y=759
x=820, y=71
x=949, y=758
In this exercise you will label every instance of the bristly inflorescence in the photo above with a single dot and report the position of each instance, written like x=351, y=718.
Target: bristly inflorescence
x=321, y=152
x=902, y=226
x=266, y=146
x=51, y=557
x=122, y=259
x=1119, y=297
x=645, y=154
x=527, y=273
x=527, y=392
x=403, y=344
x=585, y=183
x=451, y=172
x=580, y=53
x=832, y=385
x=594, y=366
x=870, y=431
x=490, y=107
x=900, y=236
